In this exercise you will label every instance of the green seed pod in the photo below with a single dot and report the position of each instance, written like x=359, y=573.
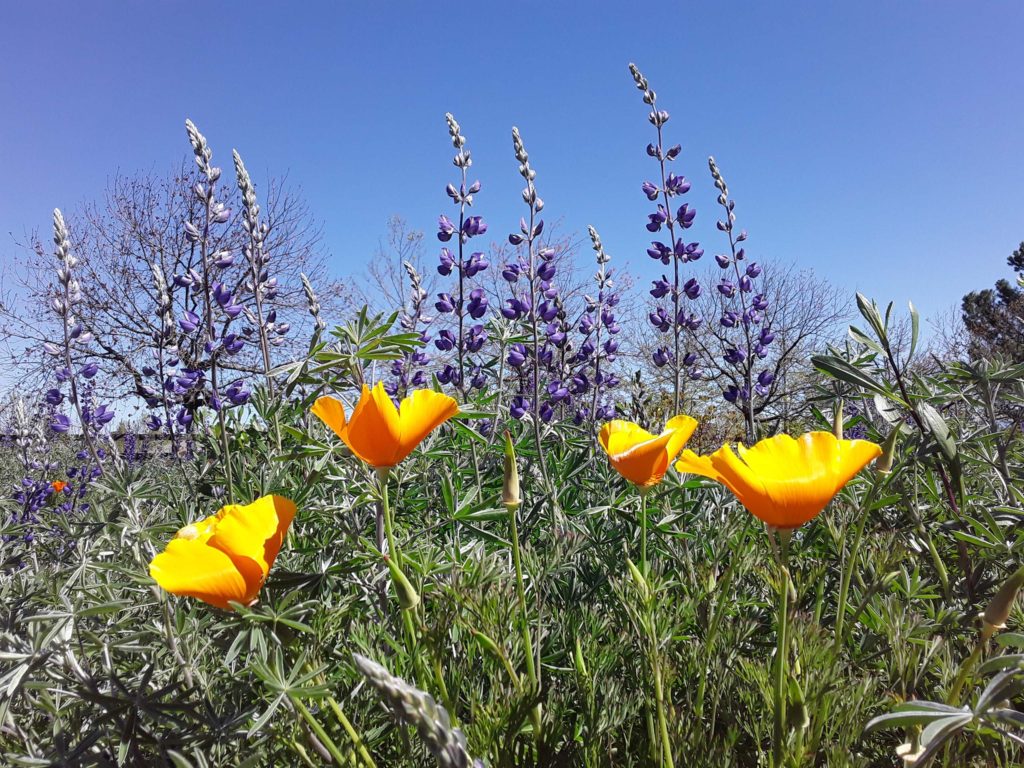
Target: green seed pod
x=510, y=490
x=408, y=597
x=998, y=610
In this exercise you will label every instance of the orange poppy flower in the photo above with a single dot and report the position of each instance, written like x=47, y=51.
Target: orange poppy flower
x=782, y=480
x=226, y=556
x=58, y=486
x=380, y=434
x=639, y=456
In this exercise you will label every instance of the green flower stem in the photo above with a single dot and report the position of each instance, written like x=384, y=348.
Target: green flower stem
x=851, y=560
x=659, y=697
x=357, y=740
x=524, y=622
x=643, y=530
x=954, y=692
x=318, y=731
x=779, y=734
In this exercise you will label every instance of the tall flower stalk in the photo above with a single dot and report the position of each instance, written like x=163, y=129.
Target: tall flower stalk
x=72, y=332
x=539, y=269
x=675, y=319
x=213, y=212
x=744, y=309
x=469, y=301
x=599, y=329
x=259, y=279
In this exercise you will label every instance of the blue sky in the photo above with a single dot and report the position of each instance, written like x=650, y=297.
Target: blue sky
x=879, y=143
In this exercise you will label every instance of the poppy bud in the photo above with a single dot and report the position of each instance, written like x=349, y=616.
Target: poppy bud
x=638, y=579
x=510, y=490
x=408, y=598
x=837, y=420
x=998, y=609
x=883, y=464
x=577, y=656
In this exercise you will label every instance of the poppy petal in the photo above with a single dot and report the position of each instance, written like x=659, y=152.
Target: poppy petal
x=331, y=412
x=374, y=431
x=191, y=568
x=420, y=414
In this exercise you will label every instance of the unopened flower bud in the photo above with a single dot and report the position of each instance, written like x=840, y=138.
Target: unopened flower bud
x=638, y=579
x=883, y=464
x=998, y=610
x=510, y=490
x=408, y=597
x=837, y=420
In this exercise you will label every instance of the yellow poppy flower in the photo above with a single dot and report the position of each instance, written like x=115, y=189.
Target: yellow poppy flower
x=782, y=480
x=639, y=456
x=226, y=556
x=380, y=434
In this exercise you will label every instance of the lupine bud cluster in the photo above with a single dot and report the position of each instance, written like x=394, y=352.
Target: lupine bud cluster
x=75, y=340
x=599, y=345
x=407, y=372
x=670, y=316
x=411, y=706
x=467, y=303
x=259, y=284
x=743, y=310
x=204, y=333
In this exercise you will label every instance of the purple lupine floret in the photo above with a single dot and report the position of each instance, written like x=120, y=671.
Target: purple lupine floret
x=60, y=423
x=519, y=407
x=189, y=321
x=445, y=303
x=445, y=228
x=447, y=262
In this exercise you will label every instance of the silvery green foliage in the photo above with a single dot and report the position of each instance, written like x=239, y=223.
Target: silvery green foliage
x=412, y=706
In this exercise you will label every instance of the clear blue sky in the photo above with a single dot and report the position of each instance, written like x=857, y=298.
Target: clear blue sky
x=881, y=143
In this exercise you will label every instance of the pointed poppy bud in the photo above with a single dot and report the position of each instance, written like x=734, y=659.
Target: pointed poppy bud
x=510, y=489
x=998, y=610
x=408, y=597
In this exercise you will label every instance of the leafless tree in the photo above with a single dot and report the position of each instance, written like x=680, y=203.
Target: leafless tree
x=136, y=227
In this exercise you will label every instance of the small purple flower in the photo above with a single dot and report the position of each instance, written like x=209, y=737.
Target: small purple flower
x=473, y=226
x=685, y=215
x=657, y=219
x=54, y=396
x=519, y=407
x=546, y=412
x=727, y=288
x=445, y=341
x=447, y=262
x=189, y=322
x=691, y=288
x=753, y=269
x=476, y=264
x=676, y=185
x=661, y=288
x=660, y=320
x=445, y=304
x=723, y=260
x=60, y=423
x=662, y=356
x=477, y=306
x=445, y=228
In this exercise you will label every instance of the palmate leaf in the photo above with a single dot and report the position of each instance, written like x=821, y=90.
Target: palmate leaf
x=840, y=369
